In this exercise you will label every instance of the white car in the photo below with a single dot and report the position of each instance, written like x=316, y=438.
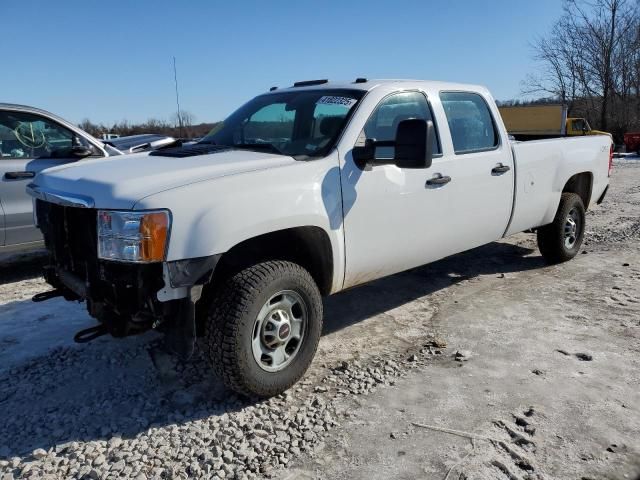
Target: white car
x=302, y=192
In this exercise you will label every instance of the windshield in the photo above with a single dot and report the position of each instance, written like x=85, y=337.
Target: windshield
x=301, y=124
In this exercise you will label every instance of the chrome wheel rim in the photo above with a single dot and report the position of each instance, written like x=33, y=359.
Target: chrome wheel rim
x=279, y=330
x=571, y=228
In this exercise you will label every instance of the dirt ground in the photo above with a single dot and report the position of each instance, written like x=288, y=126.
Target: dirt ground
x=514, y=369
x=548, y=369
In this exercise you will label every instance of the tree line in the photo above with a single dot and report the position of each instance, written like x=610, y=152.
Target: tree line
x=182, y=126
x=590, y=61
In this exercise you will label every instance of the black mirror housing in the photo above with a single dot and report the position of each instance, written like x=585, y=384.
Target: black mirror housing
x=414, y=144
x=364, y=154
x=81, y=151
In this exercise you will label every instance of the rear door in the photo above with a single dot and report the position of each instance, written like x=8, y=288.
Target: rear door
x=480, y=165
x=29, y=143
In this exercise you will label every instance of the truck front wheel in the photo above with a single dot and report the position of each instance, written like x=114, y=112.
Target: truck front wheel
x=560, y=241
x=263, y=328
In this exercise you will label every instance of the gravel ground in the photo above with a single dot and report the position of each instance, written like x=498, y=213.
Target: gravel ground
x=391, y=354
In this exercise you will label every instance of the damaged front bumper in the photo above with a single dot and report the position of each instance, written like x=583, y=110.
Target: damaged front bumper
x=126, y=298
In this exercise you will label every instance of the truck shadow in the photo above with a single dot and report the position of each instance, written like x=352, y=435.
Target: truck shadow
x=15, y=267
x=360, y=303
x=126, y=387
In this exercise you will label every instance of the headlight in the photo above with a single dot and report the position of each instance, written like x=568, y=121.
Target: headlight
x=133, y=236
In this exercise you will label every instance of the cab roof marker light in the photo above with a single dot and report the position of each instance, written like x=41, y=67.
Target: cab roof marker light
x=308, y=83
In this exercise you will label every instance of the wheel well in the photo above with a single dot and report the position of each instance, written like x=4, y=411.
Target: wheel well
x=309, y=247
x=580, y=183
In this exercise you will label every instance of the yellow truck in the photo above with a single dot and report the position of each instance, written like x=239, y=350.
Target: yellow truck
x=544, y=121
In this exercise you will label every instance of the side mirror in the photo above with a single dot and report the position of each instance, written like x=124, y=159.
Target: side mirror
x=365, y=154
x=414, y=144
x=81, y=151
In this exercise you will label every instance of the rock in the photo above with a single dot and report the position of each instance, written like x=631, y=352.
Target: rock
x=99, y=460
x=39, y=453
x=585, y=357
x=227, y=456
x=412, y=358
x=114, y=442
x=462, y=355
x=437, y=342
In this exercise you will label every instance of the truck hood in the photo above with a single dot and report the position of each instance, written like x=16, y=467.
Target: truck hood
x=120, y=182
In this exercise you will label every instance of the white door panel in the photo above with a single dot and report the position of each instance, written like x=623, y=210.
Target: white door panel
x=480, y=201
x=392, y=221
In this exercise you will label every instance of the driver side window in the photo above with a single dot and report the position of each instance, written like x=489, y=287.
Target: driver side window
x=382, y=125
x=27, y=136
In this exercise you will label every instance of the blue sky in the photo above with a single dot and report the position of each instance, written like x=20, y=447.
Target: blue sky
x=109, y=61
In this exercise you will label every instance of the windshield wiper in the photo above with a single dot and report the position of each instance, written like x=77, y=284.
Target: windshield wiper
x=259, y=146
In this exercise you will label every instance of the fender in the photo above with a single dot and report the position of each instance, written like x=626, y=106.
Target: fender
x=211, y=217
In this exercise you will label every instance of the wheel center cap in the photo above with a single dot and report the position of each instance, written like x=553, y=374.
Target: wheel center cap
x=284, y=331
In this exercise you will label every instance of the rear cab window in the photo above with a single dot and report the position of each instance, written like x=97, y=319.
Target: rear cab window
x=470, y=122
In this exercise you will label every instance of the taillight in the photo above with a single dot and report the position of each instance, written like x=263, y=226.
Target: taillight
x=611, y=160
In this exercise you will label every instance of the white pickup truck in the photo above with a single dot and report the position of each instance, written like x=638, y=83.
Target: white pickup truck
x=302, y=192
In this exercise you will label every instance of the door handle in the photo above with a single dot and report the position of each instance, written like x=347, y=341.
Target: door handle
x=500, y=169
x=19, y=175
x=439, y=180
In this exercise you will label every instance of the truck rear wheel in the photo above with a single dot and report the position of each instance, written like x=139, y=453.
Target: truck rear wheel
x=561, y=240
x=263, y=328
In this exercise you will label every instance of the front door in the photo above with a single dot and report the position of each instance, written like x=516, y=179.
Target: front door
x=392, y=222
x=29, y=143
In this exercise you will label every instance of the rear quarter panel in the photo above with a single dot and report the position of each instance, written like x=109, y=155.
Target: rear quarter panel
x=543, y=168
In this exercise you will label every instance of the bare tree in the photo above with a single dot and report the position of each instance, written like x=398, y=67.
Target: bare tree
x=591, y=57
x=182, y=122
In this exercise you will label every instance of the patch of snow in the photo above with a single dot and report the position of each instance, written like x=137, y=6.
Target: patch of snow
x=29, y=330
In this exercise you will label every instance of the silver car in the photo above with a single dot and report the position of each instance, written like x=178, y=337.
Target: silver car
x=32, y=140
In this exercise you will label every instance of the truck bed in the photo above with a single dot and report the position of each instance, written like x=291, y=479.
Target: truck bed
x=543, y=168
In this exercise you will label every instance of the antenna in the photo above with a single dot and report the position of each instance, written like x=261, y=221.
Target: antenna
x=175, y=79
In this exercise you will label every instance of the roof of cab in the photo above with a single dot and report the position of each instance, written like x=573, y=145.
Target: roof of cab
x=370, y=84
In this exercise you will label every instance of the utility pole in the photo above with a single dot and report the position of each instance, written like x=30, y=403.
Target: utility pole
x=175, y=79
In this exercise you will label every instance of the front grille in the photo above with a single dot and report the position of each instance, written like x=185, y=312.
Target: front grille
x=70, y=236
x=125, y=289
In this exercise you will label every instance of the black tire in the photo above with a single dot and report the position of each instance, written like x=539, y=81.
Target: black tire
x=231, y=322
x=552, y=241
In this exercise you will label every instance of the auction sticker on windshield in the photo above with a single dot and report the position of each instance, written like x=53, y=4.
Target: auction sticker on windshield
x=331, y=100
